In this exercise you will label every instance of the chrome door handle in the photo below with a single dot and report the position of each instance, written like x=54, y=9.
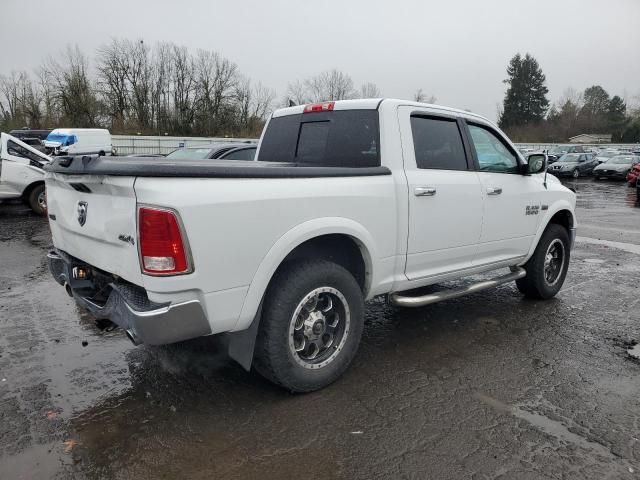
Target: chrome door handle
x=424, y=191
x=494, y=190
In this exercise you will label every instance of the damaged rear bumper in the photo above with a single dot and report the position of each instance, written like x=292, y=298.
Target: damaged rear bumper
x=127, y=305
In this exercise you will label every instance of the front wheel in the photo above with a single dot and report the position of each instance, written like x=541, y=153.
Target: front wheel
x=311, y=324
x=547, y=268
x=38, y=199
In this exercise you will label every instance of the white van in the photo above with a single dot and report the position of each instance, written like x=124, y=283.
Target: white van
x=21, y=174
x=79, y=141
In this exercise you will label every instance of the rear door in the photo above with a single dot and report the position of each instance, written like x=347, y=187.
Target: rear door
x=445, y=200
x=511, y=204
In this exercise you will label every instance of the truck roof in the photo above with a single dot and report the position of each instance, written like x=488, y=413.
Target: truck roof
x=373, y=104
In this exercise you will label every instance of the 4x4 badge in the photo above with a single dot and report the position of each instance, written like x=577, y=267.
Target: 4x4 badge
x=82, y=213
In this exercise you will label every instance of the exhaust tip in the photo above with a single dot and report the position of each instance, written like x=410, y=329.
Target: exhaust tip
x=67, y=289
x=133, y=337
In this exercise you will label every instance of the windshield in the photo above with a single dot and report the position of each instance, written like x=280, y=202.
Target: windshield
x=556, y=150
x=57, y=137
x=190, y=154
x=622, y=159
x=569, y=157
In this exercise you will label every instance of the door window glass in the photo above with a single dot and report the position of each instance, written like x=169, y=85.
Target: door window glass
x=493, y=155
x=437, y=144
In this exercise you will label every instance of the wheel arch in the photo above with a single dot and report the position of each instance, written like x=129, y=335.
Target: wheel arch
x=560, y=214
x=337, y=238
x=29, y=188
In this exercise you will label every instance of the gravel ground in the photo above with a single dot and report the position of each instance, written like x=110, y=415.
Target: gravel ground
x=486, y=386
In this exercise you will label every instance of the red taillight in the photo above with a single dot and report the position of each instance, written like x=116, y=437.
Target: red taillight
x=319, y=107
x=162, y=248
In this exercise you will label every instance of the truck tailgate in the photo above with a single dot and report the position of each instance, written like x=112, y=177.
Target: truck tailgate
x=93, y=218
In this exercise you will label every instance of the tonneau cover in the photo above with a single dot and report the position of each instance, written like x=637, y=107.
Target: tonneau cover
x=164, y=167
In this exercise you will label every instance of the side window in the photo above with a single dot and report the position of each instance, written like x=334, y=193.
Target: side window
x=241, y=154
x=438, y=144
x=19, y=151
x=493, y=155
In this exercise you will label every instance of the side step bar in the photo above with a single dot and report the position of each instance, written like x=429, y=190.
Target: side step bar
x=403, y=301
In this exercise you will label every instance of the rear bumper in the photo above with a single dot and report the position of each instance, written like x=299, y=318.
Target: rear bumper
x=129, y=307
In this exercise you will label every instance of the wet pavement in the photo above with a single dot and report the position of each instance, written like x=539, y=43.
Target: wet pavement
x=487, y=386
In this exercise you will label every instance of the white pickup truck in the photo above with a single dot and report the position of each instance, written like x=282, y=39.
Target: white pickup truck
x=347, y=200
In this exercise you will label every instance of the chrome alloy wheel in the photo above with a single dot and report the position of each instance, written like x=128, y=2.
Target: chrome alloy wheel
x=554, y=262
x=319, y=328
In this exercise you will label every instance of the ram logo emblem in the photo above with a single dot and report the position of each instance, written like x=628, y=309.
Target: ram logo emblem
x=82, y=213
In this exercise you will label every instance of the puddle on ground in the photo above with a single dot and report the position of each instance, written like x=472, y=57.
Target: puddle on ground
x=546, y=425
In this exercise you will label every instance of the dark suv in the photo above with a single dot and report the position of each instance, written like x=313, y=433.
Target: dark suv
x=573, y=165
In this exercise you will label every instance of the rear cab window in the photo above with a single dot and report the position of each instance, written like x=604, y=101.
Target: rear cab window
x=437, y=143
x=340, y=138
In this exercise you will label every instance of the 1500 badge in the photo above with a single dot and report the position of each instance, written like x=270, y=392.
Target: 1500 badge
x=532, y=209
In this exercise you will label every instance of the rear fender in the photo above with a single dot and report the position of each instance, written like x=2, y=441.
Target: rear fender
x=292, y=239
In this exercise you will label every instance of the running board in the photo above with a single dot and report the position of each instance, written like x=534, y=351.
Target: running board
x=403, y=301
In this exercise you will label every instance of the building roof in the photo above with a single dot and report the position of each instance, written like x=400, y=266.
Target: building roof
x=595, y=136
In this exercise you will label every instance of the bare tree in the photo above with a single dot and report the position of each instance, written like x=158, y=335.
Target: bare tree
x=113, y=71
x=421, y=97
x=369, y=90
x=297, y=93
x=330, y=85
x=72, y=88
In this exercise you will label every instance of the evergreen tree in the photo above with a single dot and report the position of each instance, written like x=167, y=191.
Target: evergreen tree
x=617, y=117
x=526, y=99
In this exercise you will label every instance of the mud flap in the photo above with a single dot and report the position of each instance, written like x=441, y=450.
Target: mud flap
x=241, y=344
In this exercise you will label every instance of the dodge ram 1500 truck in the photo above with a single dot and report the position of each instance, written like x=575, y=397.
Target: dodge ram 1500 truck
x=346, y=201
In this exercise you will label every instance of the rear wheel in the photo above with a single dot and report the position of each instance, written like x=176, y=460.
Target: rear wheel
x=311, y=325
x=101, y=153
x=547, y=268
x=575, y=173
x=38, y=199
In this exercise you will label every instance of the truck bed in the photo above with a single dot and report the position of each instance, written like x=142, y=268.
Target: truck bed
x=163, y=167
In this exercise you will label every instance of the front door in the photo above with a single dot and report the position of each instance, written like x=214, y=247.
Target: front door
x=445, y=199
x=511, y=207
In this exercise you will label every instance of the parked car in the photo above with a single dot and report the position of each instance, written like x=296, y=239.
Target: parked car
x=228, y=151
x=23, y=133
x=21, y=174
x=633, y=175
x=79, y=141
x=554, y=153
x=605, y=155
x=347, y=200
x=573, y=165
x=616, y=167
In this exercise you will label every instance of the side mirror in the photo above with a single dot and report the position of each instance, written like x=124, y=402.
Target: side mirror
x=537, y=163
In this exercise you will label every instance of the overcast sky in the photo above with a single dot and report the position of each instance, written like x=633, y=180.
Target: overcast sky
x=456, y=50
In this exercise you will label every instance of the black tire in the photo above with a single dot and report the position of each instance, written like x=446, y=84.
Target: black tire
x=101, y=153
x=274, y=358
x=535, y=284
x=37, y=199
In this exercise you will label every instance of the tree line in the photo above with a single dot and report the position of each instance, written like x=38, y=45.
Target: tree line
x=527, y=115
x=135, y=88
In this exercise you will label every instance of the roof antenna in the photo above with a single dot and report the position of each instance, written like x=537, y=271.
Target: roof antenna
x=546, y=168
